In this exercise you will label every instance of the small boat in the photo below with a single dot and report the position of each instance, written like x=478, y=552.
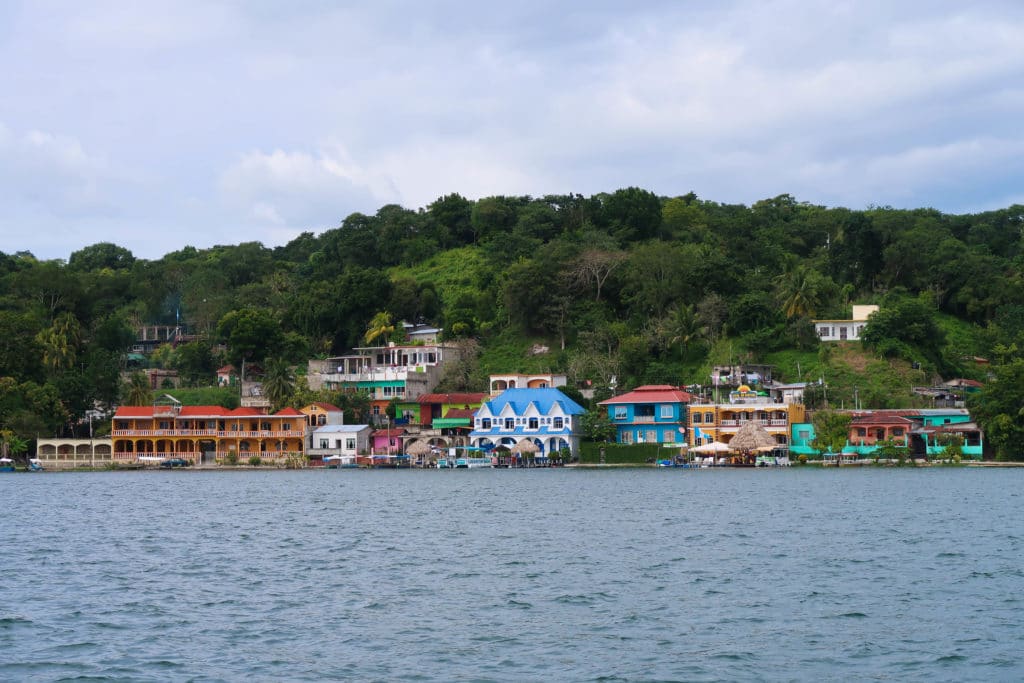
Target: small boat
x=6, y=465
x=473, y=463
x=34, y=465
x=333, y=462
x=444, y=464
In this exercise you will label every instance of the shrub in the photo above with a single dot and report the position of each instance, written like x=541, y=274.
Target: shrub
x=231, y=458
x=254, y=461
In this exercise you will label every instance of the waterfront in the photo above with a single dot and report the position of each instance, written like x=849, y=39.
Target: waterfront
x=514, y=575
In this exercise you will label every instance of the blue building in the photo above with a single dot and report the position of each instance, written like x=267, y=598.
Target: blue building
x=547, y=417
x=654, y=413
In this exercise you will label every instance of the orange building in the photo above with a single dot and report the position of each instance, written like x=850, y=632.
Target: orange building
x=204, y=433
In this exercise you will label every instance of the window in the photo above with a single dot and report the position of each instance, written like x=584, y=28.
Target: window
x=485, y=423
x=399, y=391
x=387, y=391
x=533, y=423
x=696, y=418
x=620, y=412
x=376, y=410
x=804, y=434
x=627, y=437
x=265, y=426
x=558, y=423
x=651, y=436
x=323, y=443
x=286, y=426
x=709, y=418
x=898, y=431
x=350, y=444
x=510, y=423
x=666, y=411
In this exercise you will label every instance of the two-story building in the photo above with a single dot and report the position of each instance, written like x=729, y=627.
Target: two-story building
x=547, y=417
x=653, y=413
x=168, y=429
x=720, y=421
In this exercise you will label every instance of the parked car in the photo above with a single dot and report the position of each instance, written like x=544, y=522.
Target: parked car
x=175, y=462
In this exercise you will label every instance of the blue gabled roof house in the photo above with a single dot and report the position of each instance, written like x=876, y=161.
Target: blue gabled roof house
x=547, y=417
x=653, y=413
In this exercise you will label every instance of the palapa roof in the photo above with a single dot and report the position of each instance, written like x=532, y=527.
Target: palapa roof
x=752, y=436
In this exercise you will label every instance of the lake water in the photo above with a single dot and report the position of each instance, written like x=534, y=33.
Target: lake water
x=513, y=575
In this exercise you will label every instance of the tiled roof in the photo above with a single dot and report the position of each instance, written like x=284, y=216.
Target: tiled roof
x=880, y=419
x=544, y=399
x=329, y=407
x=288, y=412
x=652, y=393
x=388, y=432
x=455, y=413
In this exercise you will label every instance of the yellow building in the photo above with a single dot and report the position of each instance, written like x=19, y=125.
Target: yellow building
x=720, y=421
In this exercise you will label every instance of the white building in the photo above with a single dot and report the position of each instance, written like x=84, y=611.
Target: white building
x=343, y=440
x=845, y=330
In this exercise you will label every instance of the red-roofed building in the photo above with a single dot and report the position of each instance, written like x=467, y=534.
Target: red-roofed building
x=653, y=413
x=168, y=429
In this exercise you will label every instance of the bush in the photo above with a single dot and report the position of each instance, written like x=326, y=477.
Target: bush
x=231, y=458
x=254, y=461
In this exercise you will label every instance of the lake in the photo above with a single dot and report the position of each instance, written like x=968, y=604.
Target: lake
x=514, y=575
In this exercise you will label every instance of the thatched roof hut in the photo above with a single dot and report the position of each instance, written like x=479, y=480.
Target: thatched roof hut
x=752, y=437
x=526, y=446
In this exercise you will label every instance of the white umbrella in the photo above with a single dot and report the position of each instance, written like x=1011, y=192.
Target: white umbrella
x=713, y=447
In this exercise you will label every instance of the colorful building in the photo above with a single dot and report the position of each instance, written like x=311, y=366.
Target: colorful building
x=720, y=421
x=654, y=413
x=546, y=417
x=396, y=371
x=924, y=432
x=518, y=380
x=168, y=429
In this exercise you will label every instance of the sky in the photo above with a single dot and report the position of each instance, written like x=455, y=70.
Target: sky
x=157, y=125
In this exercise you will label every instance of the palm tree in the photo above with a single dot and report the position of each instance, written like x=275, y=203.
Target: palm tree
x=278, y=381
x=380, y=325
x=797, y=291
x=681, y=326
x=137, y=391
x=60, y=342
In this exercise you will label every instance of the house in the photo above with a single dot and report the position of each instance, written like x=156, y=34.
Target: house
x=546, y=417
x=204, y=433
x=720, y=421
x=654, y=413
x=516, y=380
x=397, y=371
x=389, y=441
x=925, y=432
x=845, y=330
x=347, y=441
x=320, y=413
x=227, y=376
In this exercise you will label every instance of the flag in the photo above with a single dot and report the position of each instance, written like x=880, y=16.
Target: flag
x=697, y=434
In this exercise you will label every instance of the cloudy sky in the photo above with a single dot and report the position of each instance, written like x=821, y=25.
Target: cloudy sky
x=156, y=125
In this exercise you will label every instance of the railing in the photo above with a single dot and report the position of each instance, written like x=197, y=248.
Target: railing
x=209, y=432
x=643, y=418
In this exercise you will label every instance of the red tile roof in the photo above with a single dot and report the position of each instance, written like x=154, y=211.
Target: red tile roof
x=880, y=419
x=452, y=399
x=454, y=413
x=288, y=412
x=394, y=431
x=330, y=407
x=652, y=393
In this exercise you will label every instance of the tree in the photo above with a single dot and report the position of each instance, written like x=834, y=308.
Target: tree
x=101, y=255
x=250, y=333
x=831, y=430
x=381, y=325
x=797, y=290
x=138, y=391
x=60, y=343
x=998, y=410
x=278, y=381
x=597, y=426
x=594, y=266
x=12, y=446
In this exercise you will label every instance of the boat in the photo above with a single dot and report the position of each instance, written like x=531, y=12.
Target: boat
x=444, y=464
x=473, y=463
x=333, y=462
x=6, y=465
x=34, y=465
